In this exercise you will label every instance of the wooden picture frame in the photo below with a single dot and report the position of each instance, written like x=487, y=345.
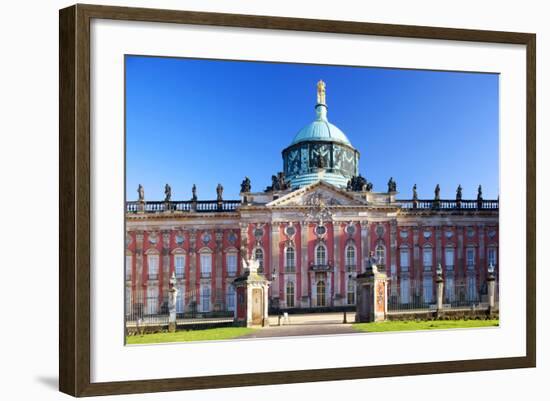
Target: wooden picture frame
x=75, y=208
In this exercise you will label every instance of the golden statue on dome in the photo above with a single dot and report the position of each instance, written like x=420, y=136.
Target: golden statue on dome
x=321, y=92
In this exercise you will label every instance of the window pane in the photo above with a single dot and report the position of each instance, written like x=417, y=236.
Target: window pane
x=427, y=259
x=179, y=261
x=492, y=256
x=128, y=267
x=231, y=264
x=470, y=257
x=205, y=299
x=290, y=258
x=404, y=256
x=206, y=264
x=428, y=292
x=321, y=255
x=230, y=298
x=381, y=254
x=449, y=258
x=290, y=294
x=350, y=255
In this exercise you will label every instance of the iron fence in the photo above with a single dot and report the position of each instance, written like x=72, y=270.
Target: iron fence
x=417, y=295
x=193, y=309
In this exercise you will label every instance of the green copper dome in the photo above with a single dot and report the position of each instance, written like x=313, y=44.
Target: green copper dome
x=321, y=129
x=320, y=151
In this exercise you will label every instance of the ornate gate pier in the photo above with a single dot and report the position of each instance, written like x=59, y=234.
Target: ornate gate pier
x=252, y=296
x=372, y=304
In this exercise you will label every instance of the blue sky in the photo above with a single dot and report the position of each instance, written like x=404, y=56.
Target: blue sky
x=206, y=122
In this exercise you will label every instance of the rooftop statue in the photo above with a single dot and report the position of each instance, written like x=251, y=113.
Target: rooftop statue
x=219, y=192
x=278, y=183
x=479, y=194
x=415, y=194
x=358, y=183
x=392, y=185
x=245, y=185
x=459, y=193
x=167, y=193
x=141, y=193
x=194, y=192
x=436, y=192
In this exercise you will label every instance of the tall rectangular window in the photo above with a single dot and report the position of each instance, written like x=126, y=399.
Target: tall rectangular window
x=180, y=299
x=470, y=258
x=128, y=268
x=205, y=298
x=471, y=292
x=404, y=259
x=405, y=291
x=206, y=265
x=427, y=256
x=351, y=292
x=128, y=299
x=153, y=266
x=152, y=300
x=231, y=260
x=321, y=255
x=428, y=290
x=449, y=258
x=492, y=256
x=290, y=260
x=230, y=298
x=350, y=258
x=449, y=289
x=179, y=262
x=290, y=294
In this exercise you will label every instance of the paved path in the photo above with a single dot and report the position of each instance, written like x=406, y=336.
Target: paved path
x=305, y=325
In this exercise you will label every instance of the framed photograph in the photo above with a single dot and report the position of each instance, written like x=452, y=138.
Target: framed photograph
x=250, y=200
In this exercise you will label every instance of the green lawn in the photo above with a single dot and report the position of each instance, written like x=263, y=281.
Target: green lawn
x=222, y=333
x=423, y=325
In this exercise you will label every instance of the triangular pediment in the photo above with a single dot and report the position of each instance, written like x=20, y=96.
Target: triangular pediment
x=320, y=193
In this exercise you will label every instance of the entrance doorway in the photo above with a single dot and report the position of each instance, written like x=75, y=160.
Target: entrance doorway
x=321, y=293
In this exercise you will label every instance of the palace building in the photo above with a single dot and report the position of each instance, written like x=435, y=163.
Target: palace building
x=312, y=231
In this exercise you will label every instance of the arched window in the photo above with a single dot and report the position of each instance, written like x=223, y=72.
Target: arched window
x=321, y=293
x=231, y=263
x=404, y=259
x=179, y=262
x=380, y=254
x=427, y=258
x=259, y=256
x=449, y=258
x=153, y=267
x=206, y=264
x=321, y=255
x=351, y=292
x=290, y=259
x=350, y=258
x=290, y=294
